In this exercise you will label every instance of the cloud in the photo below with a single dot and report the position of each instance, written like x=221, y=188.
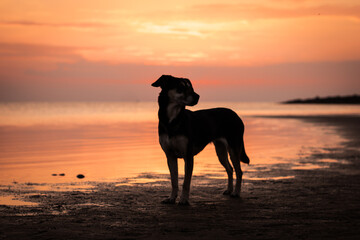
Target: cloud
x=31, y=50
x=176, y=28
x=91, y=25
x=253, y=11
x=18, y=59
x=200, y=29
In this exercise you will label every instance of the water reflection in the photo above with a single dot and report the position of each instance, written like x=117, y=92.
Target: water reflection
x=270, y=178
x=112, y=141
x=12, y=200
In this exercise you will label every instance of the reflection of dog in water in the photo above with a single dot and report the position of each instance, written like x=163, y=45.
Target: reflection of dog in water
x=184, y=133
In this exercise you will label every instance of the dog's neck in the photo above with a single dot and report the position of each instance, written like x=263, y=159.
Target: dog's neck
x=168, y=110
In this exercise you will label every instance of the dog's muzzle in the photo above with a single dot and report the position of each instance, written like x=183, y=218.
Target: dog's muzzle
x=193, y=99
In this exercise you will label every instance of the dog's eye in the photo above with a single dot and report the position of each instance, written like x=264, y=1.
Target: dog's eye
x=180, y=89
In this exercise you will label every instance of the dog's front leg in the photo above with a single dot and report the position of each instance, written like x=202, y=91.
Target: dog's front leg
x=173, y=167
x=189, y=164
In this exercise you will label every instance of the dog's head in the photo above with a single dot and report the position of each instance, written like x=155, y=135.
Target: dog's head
x=178, y=90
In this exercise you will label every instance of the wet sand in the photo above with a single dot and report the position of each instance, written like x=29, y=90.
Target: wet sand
x=315, y=204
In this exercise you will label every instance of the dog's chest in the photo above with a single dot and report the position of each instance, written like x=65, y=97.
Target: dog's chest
x=175, y=145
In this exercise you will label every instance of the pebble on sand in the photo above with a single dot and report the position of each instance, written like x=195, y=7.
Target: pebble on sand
x=54, y=174
x=80, y=176
x=62, y=174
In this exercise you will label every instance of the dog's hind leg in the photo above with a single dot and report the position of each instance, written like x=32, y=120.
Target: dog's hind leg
x=235, y=159
x=222, y=153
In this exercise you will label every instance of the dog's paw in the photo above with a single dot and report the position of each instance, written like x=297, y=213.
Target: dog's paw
x=184, y=202
x=227, y=192
x=235, y=195
x=169, y=201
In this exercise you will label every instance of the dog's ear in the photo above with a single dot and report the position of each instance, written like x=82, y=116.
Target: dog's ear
x=161, y=82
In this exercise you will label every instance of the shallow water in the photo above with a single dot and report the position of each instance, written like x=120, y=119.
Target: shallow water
x=12, y=200
x=113, y=141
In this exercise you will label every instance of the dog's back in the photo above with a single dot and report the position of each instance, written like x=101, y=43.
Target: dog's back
x=229, y=127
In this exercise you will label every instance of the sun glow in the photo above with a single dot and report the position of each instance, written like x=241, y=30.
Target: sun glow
x=54, y=39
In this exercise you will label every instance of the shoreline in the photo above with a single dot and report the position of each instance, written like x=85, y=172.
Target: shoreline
x=315, y=204
x=350, y=99
x=346, y=125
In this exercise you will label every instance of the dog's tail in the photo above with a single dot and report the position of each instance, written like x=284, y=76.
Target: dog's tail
x=243, y=157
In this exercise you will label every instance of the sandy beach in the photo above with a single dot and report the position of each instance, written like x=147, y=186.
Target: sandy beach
x=314, y=204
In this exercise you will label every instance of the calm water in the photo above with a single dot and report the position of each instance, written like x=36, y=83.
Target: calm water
x=113, y=141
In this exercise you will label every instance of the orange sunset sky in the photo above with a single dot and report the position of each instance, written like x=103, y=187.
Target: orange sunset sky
x=259, y=50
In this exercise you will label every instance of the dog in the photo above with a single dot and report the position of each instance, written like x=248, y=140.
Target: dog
x=184, y=133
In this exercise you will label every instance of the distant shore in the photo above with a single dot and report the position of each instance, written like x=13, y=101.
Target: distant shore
x=315, y=204
x=353, y=99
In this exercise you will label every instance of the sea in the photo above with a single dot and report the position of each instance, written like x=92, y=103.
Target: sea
x=55, y=142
